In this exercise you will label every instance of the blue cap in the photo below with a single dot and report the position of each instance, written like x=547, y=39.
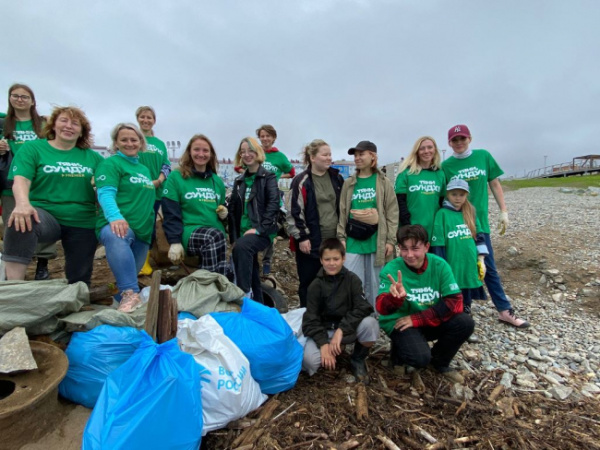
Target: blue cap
x=457, y=183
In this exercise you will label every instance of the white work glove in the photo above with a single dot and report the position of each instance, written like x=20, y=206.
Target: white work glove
x=503, y=224
x=481, y=267
x=222, y=212
x=176, y=253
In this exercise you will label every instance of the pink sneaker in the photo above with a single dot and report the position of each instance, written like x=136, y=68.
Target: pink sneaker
x=130, y=301
x=509, y=317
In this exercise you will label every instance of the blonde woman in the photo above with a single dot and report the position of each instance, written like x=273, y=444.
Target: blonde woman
x=253, y=209
x=420, y=185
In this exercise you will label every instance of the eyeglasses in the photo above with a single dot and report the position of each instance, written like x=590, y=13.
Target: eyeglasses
x=20, y=97
x=458, y=138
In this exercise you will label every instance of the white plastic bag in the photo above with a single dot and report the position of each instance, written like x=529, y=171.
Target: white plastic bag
x=228, y=390
x=294, y=320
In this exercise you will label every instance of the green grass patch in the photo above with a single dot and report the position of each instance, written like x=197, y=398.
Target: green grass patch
x=580, y=182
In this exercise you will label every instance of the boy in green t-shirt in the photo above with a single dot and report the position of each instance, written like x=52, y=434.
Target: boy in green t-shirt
x=419, y=301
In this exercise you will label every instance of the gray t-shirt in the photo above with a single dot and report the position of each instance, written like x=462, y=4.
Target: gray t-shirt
x=325, y=195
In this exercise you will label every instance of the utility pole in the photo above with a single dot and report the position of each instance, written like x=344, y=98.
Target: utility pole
x=545, y=158
x=444, y=154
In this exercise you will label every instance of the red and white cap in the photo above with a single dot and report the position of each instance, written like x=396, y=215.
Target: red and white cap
x=458, y=130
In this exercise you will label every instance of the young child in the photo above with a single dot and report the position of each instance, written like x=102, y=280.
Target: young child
x=454, y=228
x=337, y=313
x=419, y=301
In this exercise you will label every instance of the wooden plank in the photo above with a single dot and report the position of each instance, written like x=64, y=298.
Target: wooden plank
x=152, y=312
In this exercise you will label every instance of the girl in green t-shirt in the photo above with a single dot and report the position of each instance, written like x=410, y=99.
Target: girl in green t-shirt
x=194, y=209
x=156, y=158
x=125, y=223
x=22, y=124
x=367, y=197
x=457, y=237
x=420, y=185
x=253, y=208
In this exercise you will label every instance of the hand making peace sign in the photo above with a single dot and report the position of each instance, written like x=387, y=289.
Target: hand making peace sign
x=397, y=288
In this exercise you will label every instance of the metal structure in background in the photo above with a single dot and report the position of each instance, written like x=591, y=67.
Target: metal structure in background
x=173, y=148
x=580, y=165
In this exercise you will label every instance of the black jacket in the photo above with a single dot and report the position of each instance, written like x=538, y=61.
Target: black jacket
x=263, y=203
x=336, y=301
x=303, y=214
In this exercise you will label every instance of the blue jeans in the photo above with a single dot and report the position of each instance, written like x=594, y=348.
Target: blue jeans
x=492, y=279
x=125, y=256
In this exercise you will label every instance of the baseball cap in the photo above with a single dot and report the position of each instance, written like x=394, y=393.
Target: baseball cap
x=457, y=183
x=458, y=130
x=363, y=145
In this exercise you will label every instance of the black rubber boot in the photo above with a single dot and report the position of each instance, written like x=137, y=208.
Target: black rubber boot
x=41, y=271
x=357, y=362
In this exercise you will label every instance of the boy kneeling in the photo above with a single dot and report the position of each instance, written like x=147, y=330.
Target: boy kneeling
x=337, y=313
x=419, y=301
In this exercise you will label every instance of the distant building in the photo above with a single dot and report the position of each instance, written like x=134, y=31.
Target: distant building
x=103, y=150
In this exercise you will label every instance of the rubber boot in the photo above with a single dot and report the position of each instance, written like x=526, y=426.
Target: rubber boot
x=357, y=362
x=147, y=269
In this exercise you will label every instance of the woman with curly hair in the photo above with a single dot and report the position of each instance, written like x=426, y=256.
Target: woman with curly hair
x=54, y=197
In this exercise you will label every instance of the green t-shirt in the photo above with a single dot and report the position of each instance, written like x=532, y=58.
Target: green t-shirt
x=61, y=181
x=23, y=133
x=153, y=158
x=198, y=198
x=135, y=194
x=277, y=163
x=423, y=192
x=326, y=205
x=246, y=223
x=451, y=231
x=363, y=197
x=478, y=170
x=422, y=290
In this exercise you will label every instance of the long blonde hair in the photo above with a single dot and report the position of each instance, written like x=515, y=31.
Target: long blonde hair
x=468, y=212
x=412, y=161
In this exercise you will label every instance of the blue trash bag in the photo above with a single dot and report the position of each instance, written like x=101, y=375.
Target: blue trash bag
x=265, y=338
x=151, y=401
x=93, y=355
x=182, y=315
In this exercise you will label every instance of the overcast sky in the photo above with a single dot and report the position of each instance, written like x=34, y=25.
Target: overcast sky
x=524, y=75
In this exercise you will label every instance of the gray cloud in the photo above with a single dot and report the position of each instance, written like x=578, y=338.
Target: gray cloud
x=522, y=75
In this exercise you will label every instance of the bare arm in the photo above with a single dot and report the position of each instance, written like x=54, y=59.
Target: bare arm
x=498, y=193
x=21, y=215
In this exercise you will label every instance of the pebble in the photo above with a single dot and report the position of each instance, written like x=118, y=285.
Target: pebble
x=561, y=392
x=461, y=392
x=506, y=380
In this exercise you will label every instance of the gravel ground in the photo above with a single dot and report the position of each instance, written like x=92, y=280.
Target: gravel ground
x=549, y=262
